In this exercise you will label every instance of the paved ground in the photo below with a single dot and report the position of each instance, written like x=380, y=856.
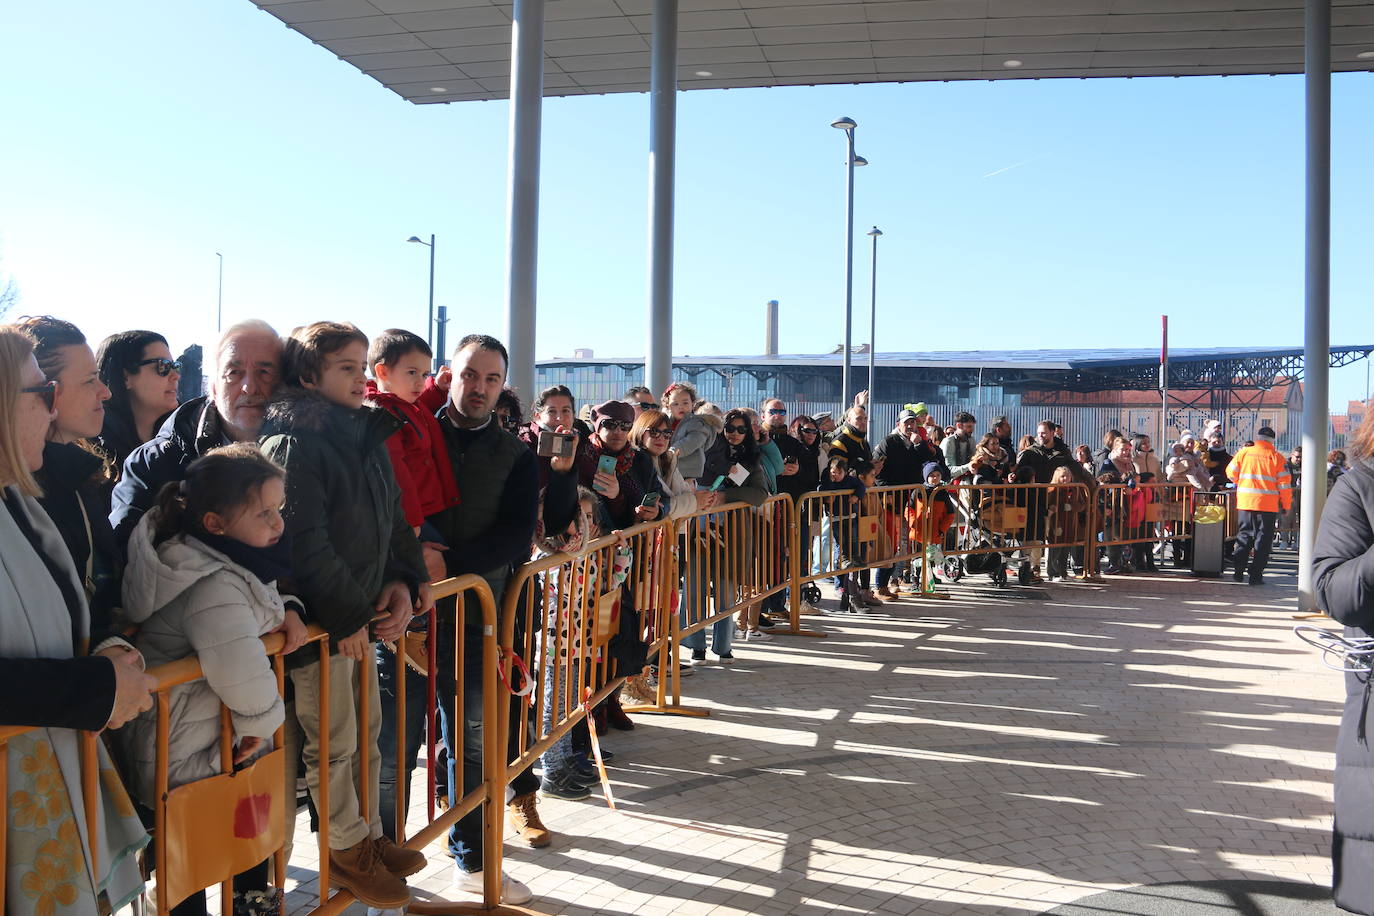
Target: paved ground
x=985, y=754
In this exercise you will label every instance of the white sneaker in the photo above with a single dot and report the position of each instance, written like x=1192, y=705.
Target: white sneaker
x=759, y=636
x=469, y=884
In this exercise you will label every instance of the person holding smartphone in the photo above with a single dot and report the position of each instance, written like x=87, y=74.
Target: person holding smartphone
x=617, y=473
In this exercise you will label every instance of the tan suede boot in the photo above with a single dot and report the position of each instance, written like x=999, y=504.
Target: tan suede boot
x=524, y=817
x=398, y=860
x=359, y=869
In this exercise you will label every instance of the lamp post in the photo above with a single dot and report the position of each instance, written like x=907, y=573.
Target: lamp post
x=219, y=297
x=429, y=327
x=875, y=233
x=848, y=125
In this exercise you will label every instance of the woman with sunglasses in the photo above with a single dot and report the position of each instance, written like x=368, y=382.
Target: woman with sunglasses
x=49, y=681
x=138, y=368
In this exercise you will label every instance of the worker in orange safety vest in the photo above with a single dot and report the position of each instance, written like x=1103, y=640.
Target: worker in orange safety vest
x=1263, y=487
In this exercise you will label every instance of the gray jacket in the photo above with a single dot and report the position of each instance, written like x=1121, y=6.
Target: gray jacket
x=190, y=599
x=694, y=435
x=958, y=451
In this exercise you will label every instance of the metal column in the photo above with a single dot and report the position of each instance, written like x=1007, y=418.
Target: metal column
x=1317, y=292
x=658, y=366
x=846, y=391
x=522, y=195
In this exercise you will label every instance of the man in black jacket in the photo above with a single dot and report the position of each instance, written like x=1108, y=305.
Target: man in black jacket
x=488, y=534
x=1037, y=464
x=903, y=454
x=247, y=373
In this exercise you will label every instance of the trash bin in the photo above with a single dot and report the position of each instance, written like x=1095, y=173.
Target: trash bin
x=1209, y=541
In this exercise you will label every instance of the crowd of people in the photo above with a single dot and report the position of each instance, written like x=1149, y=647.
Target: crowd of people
x=327, y=478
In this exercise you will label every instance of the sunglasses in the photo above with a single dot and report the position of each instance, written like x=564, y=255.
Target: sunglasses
x=777, y=411
x=658, y=433
x=809, y=430
x=647, y=405
x=738, y=430
x=616, y=424
x=47, y=392
x=165, y=367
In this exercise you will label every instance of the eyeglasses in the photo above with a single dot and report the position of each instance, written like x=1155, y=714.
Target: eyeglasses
x=737, y=430
x=809, y=430
x=47, y=392
x=165, y=367
x=777, y=411
x=647, y=405
x=616, y=424
x=658, y=433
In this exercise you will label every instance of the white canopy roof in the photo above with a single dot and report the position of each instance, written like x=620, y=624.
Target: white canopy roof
x=457, y=50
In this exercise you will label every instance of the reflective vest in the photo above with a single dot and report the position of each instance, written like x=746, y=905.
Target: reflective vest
x=1261, y=479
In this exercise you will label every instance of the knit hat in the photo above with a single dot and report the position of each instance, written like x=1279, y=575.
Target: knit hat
x=918, y=409
x=612, y=410
x=931, y=467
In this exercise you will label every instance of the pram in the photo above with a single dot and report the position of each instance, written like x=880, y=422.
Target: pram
x=986, y=527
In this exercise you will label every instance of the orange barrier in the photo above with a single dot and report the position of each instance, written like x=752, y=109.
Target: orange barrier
x=837, y=532
x=997, y=522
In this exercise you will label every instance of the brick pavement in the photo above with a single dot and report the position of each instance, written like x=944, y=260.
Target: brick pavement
x=981, y=755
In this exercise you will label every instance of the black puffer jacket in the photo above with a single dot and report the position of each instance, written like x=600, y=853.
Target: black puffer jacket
x=1343, y=572
x=903, y=461
x=188, y=432
x=349, y=536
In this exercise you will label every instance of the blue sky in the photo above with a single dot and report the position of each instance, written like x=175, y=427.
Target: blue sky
x=140, y=138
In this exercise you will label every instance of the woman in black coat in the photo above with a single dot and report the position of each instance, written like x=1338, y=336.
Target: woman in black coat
x=1343, y=572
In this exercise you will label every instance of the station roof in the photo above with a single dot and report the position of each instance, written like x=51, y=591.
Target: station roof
x=1070, y=370
x=432, y=51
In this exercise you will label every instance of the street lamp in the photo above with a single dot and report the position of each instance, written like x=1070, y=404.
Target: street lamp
x=429, y=328
x=851, y=160
x=875, y=233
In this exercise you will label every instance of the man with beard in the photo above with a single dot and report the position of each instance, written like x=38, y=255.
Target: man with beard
x=1037, y=464
x=903, y=454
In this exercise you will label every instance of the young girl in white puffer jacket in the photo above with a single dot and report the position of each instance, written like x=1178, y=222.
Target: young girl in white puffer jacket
x=202, y=580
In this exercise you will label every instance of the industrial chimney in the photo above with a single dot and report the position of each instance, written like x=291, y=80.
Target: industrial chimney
x=770, y=329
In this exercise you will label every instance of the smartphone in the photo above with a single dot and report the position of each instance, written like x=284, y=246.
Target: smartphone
x=554, y=445
x=719, y=480
x=606, y=465
x=651, y=499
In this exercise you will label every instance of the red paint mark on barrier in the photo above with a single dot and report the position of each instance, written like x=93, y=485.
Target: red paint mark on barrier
x=250, y=816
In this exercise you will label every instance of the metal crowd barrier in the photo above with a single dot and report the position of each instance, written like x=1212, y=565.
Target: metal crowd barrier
x=549, y=658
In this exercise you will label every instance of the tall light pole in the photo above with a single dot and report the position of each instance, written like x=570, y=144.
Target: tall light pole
x=848, y=125
x=875, y=233
x=429, y=327
x=219, y=298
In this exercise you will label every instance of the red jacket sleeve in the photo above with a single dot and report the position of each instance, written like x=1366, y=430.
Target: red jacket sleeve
x=410, y=494
x=432, y=398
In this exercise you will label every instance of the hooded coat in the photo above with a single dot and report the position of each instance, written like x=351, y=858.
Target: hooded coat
x=190, y=599
x=349, y=536
x=692, y=438
x=1343, y=576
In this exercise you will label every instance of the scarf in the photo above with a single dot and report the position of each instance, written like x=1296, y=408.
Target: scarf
x=45, y=807
x=267, y=563
x=623, y=461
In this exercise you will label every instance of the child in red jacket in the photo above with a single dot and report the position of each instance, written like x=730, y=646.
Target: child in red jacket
x=400, y=362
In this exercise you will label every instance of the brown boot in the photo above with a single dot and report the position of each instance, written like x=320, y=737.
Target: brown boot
x=359, y=869
x=524, y=817
x=398, y=860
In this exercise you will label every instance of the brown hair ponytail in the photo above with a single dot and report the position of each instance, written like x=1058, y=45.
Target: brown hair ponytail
x=220, y=481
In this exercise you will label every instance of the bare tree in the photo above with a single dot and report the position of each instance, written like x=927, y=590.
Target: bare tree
x=9, y=296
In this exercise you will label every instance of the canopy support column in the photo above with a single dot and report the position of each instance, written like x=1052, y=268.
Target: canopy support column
x=658, y=368
x=522, y=193
x=1317, y=293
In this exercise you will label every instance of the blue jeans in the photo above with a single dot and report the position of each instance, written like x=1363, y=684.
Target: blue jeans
x=465, y=838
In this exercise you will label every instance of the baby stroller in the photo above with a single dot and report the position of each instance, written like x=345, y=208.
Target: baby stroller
x=993, y=528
